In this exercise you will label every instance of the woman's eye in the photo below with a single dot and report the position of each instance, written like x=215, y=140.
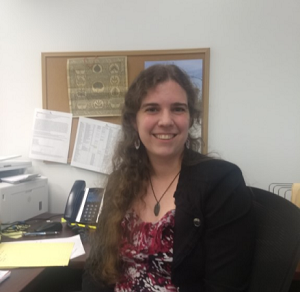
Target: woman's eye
x=179, y=109
x=151, y=109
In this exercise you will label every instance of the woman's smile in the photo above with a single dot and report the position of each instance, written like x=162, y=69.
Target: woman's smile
x=164, y=136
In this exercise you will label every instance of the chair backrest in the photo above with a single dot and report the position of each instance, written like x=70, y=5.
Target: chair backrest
x=277, y=250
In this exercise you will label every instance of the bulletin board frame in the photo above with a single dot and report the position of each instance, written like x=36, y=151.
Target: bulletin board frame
x=55, y=84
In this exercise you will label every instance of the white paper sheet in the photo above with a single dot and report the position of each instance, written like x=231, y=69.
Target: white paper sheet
x=51, y=135
x=94, y=145
x=3, y=158
x=4, y=275
x=20, y=178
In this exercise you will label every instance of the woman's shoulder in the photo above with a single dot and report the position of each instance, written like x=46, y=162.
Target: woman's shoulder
x=198, y=160
x=199, y=166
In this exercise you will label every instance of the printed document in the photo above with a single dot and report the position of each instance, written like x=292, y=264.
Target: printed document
x=51, y=135
x=94, y=145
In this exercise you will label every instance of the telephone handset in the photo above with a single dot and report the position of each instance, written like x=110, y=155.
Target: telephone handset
x=84, y=204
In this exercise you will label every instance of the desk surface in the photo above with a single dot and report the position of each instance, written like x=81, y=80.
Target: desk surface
x=22, y=277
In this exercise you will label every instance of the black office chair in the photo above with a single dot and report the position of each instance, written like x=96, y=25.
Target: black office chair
x=277, y=250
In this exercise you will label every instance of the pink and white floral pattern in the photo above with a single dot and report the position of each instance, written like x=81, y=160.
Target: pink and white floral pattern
x=147, y=254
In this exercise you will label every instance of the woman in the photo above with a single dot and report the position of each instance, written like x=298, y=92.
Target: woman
x=172, y=219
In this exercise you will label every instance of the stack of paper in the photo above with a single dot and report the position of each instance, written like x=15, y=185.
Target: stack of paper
x=19, y=178
x=34, y=254
x=40, y=253
x=4, y=158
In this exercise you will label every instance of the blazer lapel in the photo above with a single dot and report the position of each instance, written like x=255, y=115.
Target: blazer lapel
x=188, y=216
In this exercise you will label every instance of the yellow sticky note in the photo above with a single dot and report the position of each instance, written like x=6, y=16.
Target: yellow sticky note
x=13, y=235
x=35, y=254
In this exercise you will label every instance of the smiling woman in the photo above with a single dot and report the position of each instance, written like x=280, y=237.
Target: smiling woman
x=172, y=218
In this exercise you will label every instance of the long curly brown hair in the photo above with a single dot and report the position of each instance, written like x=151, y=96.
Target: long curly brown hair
x=131, y=169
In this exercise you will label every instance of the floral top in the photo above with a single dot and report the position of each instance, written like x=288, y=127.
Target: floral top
x=147, y=254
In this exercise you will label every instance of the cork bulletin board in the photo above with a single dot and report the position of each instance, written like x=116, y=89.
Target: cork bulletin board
x=55, y=80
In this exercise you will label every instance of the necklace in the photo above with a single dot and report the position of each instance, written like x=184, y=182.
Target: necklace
x=157, y=205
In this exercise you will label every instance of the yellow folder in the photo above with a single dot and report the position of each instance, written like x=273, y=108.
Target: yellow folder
x=35, y=254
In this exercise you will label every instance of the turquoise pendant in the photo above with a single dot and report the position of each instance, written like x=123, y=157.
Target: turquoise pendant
x=156, y=209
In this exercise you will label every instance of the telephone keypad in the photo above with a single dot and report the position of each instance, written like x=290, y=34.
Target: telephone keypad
x=90, y=212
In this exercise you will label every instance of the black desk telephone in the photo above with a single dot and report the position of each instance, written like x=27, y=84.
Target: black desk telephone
x=84, y=204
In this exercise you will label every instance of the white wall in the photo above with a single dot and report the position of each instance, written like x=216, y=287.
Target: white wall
x=254, y=118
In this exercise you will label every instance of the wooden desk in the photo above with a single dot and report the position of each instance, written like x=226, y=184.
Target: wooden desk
x=31, y=279
x=66, y=278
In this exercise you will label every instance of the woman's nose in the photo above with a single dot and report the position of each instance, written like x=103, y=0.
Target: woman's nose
x=165, y=118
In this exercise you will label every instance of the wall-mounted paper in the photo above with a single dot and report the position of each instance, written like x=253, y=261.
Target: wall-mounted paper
x=51, y=135
x=94, y=145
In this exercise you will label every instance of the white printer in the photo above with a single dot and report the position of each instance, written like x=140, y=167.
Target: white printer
x=24, y=200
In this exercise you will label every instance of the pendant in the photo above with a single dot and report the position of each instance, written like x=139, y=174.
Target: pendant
x=156, y=209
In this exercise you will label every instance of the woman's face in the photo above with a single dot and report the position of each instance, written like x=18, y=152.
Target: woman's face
x=163, y=121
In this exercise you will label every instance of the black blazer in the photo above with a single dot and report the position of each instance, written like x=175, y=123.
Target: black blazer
x=214, y=230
